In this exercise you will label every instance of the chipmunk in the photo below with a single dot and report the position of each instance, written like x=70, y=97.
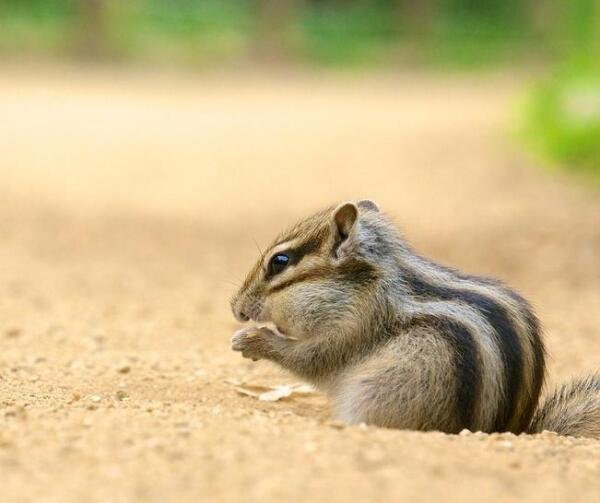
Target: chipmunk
x=396, y=340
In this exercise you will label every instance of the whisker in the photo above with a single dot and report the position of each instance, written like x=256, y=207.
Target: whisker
x=234, y=283
x=262, y=254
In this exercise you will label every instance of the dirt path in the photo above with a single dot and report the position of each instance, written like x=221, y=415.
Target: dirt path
x=128, y=209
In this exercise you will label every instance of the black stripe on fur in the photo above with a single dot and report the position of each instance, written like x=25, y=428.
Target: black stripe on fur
x=507, y=338
x=467, y=364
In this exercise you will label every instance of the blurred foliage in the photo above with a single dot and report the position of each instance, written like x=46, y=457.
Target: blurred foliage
x=358, y=33
x=180, y=31
x=371, y=32
x=562, y=114
x=34, y=26
x=563, y=120
x=562, y=117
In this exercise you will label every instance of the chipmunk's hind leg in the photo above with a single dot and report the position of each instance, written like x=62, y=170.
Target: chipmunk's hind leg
x=409, y=383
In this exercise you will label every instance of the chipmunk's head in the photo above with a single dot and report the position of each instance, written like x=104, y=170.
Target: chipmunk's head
x=318, y=275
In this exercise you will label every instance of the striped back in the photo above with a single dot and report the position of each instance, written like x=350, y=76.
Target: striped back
x=498, y=351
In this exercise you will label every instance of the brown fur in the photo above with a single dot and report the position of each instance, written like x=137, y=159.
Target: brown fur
x=396, y=340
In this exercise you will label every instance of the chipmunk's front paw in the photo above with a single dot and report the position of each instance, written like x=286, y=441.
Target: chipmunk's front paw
x=252, y=342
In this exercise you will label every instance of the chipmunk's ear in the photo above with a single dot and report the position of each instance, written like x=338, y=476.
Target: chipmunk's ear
x=367, y=204
x=344, y=224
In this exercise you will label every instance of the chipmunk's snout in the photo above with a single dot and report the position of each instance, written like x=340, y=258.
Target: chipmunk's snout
x=238, y=313
x=246, y=307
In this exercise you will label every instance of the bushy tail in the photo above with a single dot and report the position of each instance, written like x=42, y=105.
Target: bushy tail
x=573, y=409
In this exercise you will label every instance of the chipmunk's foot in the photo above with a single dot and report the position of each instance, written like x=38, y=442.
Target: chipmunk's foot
x=252, y=342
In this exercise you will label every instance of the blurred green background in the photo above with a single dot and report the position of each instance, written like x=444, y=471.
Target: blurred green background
x=557, y=39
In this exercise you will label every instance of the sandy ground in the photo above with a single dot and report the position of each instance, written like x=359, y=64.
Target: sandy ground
x=129, y=207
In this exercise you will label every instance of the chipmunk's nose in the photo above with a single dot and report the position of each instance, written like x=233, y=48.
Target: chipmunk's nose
x=240, y=315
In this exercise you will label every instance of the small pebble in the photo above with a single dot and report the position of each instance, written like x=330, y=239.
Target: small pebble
x=183, y=429
x=154, y=443
x=121, y=395
x=12, y=333
x=18, y=412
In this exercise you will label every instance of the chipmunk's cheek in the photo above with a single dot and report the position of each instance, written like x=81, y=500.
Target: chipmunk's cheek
x=280, y=310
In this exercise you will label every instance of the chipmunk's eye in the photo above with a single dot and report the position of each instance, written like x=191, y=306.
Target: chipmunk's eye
x=278, y=263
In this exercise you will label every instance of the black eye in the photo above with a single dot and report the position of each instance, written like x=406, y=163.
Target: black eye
x=278, y=263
